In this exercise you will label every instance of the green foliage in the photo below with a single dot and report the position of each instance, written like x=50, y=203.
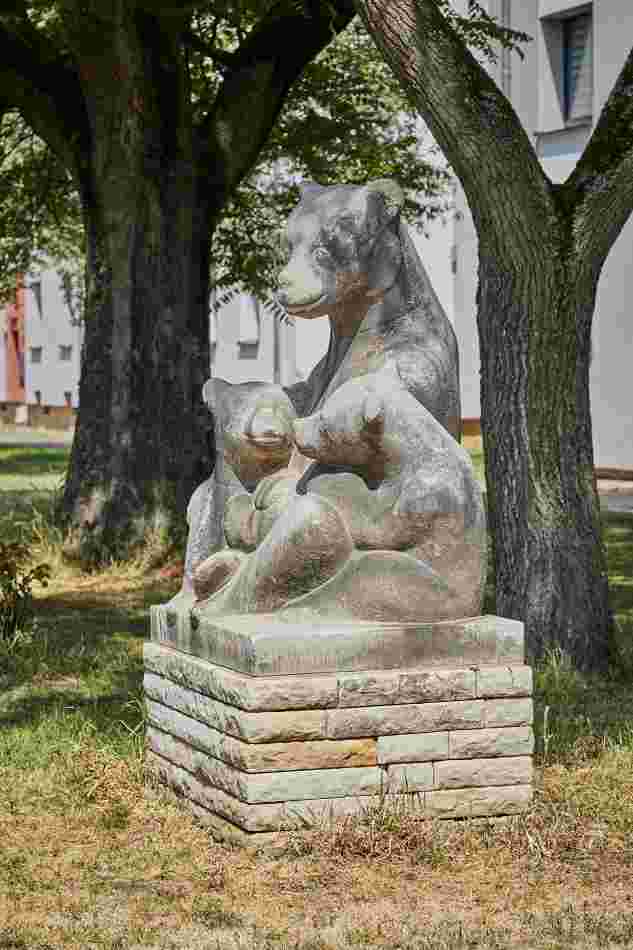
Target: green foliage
x=478, y=28
x=346, y=119
x=40, y=213
x=16, y=599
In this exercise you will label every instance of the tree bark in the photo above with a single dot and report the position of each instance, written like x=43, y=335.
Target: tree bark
x=541, y=250
x=543, y=509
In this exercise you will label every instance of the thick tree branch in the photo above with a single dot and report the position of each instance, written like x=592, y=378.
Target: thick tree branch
x=45, y=90
x=469, y=117
x=263, y=69
x=600, y=188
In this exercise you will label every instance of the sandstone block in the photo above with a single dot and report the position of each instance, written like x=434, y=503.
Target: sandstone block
x=508, y=712
x=423, y=686
x=423, y=747
x=482, y=743
x=379, y=688
x=477, y=802
x=405, y=718
x=265, y=756
x=504, y=681
x=251, y=693
x=417, y=776
x=464, y=773
x=249, y=726
x=269, y=787
x=254, y=818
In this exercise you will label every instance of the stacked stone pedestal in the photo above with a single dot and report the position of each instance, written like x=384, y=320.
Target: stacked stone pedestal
x=449, y=724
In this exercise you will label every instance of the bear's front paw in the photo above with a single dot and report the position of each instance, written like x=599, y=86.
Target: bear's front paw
x=274, y=490
x=239, y=527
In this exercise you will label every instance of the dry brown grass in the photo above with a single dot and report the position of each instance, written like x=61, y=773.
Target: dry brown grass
x=88, y=859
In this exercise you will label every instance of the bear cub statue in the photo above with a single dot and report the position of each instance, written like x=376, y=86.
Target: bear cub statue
x=411, y=547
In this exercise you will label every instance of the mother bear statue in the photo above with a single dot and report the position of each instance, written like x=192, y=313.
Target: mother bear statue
x=347, y=495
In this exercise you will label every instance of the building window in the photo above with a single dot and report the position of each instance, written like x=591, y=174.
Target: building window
x=36, y=354
x=577, y=67
x=249, y=321
x=36, y=287
x=506, y=66
x=38, y=397
x=65, y=353
x=68, y=396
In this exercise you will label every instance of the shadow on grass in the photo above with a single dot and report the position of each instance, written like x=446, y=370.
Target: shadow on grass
x=86, y=652
x=27, y=460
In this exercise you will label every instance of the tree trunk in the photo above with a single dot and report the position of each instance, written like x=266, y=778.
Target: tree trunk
x=543, y=507
x=154, y=179
x=141, y=443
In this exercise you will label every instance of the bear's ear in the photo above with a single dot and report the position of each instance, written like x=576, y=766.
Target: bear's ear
x=309, y=188
x=213, y=390
x=391, y=192
x=373, y=412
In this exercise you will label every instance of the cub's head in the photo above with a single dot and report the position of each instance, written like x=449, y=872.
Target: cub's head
x=341, y=242
x=255, y=420
x=348, y=430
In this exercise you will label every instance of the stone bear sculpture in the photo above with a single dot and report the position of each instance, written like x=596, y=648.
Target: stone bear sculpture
x=411, y=548
x=350, y=258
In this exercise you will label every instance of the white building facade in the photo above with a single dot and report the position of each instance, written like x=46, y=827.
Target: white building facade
x=558, y=92
x=52, y=342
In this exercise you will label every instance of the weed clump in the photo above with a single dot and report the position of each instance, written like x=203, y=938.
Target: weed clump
x=16, y=596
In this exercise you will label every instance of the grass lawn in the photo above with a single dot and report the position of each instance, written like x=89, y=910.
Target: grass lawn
x=87, y=860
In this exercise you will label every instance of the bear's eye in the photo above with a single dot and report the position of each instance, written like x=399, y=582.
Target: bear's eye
x=322, y=256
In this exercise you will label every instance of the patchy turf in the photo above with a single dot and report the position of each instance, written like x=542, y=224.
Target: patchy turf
x=89, y=859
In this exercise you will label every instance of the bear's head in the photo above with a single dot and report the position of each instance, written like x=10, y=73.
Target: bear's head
x=255, y=422
x=341, y=243
x=347, y=430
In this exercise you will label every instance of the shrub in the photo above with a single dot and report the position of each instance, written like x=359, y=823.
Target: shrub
x=16, y=598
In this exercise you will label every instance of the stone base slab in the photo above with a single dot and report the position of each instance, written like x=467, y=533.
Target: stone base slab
x=252, y=755
x=266, y=644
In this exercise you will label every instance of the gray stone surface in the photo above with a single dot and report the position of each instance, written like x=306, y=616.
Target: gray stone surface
x=387, y=386
x=264, y=817
x=466, y=773
x=267, y=644
x=477, y=802
x=415, y=747
x=394, y=720
x=279, y=786
x=431, y=685
x=509, y=712
x=288, y=726
x=250, y=817
x=512, y=740
x=251, y=693
x=255, y=768
x=504, y=681
x=261, y=756
x=416, y=777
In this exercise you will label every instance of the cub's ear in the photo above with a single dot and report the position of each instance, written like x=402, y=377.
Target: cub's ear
x=373, y=412
x=309, y=188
